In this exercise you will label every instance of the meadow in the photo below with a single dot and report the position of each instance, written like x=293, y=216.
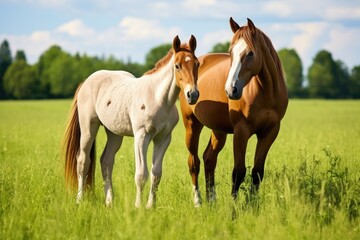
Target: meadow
x=311, y=188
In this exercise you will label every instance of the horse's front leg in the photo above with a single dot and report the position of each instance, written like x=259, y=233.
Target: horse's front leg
x=265, y=140
x=193, y=129
x=107, y=162
x=216, y=143
x=160, y=146
x=241, y=136
x=142, y=140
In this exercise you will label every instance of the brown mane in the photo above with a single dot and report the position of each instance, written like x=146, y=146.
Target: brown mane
x=245, y=33
x=163, y=61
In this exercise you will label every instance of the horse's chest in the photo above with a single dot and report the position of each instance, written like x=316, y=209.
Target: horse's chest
x=263, y=118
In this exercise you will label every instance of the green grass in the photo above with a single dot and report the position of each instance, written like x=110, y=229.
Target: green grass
x=311, y=188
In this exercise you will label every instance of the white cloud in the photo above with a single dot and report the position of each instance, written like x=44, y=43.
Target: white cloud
x=277, y=8
x=138, y=29
x=305, y=37
x=343, y=43
x=214, y=9
x=40, y=36
x=197, y=4
x=306, y=25
x=75, y=28
x=342, y=13
x=45, y=3
x=210, y=39
x=161, y=9
x=309, y=37
x=132, y=37
x=33, y=44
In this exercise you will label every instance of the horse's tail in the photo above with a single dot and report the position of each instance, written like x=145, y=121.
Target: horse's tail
x=71, y=146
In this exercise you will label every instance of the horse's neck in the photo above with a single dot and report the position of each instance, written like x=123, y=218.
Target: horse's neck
x=164, y=85
x=269, y=77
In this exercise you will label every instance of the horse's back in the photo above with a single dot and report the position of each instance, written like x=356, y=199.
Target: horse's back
x=100, y=81
x=106, y=94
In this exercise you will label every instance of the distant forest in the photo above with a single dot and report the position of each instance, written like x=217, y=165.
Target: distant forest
x=57, y=73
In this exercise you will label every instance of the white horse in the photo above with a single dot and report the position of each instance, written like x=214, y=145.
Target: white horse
x=127, y=106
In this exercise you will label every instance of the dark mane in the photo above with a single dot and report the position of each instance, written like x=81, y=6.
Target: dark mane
x=163, y=61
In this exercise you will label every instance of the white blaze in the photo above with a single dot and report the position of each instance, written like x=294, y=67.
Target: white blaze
x=238, y=48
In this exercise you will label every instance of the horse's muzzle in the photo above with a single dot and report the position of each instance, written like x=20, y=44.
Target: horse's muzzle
x=192, y=96
x=235, y=91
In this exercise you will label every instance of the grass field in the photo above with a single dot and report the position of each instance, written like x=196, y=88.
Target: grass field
x=311, y=188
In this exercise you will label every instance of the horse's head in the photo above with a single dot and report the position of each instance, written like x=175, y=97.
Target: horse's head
x=186, y=67
x=246, y=58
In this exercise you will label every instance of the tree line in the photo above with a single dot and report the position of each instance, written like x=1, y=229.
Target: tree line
x=57, y=73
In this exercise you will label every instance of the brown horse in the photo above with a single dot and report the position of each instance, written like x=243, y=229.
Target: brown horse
x=254, y=102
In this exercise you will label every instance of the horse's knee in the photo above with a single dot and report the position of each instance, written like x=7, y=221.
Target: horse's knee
x=141, y=178
x=81, y=162
x=156, y=174
x=194, y=164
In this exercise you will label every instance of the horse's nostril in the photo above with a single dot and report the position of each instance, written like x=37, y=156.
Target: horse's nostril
x=197, y=94
x=234, y=91
x=188, y=94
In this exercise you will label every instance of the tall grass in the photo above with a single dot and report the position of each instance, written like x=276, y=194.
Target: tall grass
x=311, y=188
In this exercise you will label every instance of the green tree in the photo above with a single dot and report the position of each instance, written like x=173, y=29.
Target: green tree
x=5, y=62
x=20, y=55
x=83, y=67
x=342, y=80
x=221, y=47
x=135, y=68
x=293, y=70
x=155, y=54
x=62, y=77
x=322, y=76
x=354, y=89
x=43, y=66
x=21, y=82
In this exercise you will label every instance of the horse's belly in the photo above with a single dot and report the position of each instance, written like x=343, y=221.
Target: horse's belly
x=117, y=122
x=122, y=128
x=214, y=115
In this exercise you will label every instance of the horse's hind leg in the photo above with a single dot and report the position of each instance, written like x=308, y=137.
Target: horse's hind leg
x=107, y=162
x=88, y=128
x=160, y=146
x=216, y=143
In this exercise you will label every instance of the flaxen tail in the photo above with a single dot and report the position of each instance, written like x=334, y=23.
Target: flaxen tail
x=71, y=146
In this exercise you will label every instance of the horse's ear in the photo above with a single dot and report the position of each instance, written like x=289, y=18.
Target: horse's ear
x=251, y=25
x=192, y=43
x=176, y=43
x=234, y=26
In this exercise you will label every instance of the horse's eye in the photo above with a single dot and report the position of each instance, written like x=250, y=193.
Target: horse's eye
x=250, y=54
x=177, y=67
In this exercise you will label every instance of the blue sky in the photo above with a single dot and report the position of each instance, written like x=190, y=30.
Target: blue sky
x=128, y=29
